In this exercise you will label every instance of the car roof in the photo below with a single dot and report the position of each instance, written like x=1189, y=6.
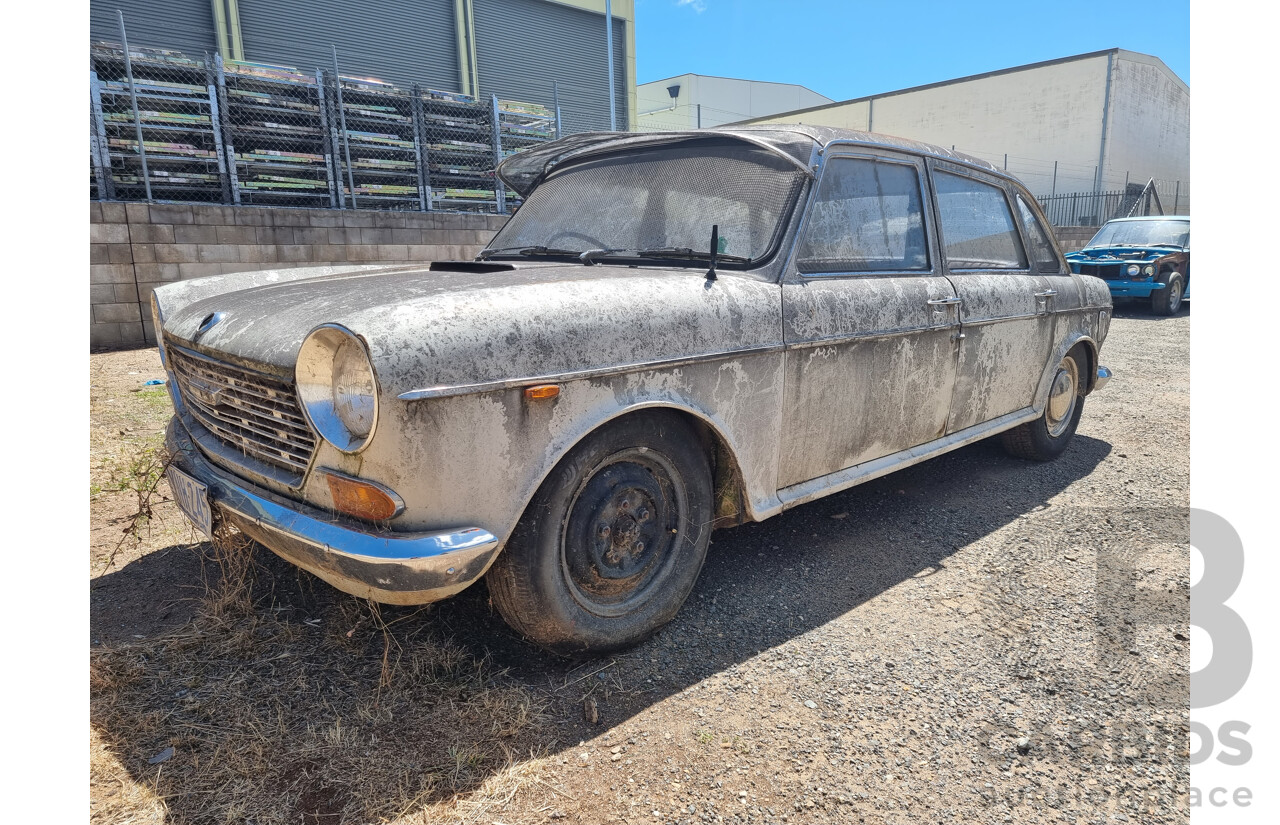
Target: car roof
x=794, y=142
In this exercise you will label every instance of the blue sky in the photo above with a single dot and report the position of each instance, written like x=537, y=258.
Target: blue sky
x=851, y=49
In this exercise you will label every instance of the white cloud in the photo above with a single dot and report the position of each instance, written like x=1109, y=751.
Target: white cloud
x=696, y=5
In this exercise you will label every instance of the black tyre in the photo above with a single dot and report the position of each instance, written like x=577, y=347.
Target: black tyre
x=613, y=540
x=1168, y=301
x=1045, y=438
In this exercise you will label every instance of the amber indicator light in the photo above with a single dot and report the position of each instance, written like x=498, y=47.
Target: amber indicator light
x=541, y=391
x=360, y=499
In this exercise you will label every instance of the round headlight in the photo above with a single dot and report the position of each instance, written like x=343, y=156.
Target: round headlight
x=1133, y=270
x=337, y=387
x=1148, y=270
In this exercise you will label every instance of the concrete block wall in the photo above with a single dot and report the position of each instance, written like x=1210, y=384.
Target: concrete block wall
x=135, y=247
x=1073, y=238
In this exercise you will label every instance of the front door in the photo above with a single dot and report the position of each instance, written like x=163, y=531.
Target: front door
x=1006, y=323
x=868, y=319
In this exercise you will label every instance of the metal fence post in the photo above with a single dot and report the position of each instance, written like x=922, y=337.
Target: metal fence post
x=1054, y=191
x=215, y=125
x=555, y=102
x=420, y=150
x=326, y=142
x=233, y=176
x=1177, y=191
x=342, y=119
x=499, y=190
x=133, y=99
x=101, y=148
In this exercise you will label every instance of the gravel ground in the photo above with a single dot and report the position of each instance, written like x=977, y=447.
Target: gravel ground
x=974, y=639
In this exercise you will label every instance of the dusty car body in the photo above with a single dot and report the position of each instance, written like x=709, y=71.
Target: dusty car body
x=572, y=413
x=1146, y=258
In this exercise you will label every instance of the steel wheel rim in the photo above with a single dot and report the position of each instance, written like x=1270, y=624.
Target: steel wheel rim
x=1063, y=397
x=614, y=556
x=1175, y=296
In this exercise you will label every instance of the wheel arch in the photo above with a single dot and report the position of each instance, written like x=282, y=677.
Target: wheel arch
x=1078, y=341
x=732, y=503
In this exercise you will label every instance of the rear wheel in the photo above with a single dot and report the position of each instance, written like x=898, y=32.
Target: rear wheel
x=1168, y=301
x=612, y=542
x=1048, y=436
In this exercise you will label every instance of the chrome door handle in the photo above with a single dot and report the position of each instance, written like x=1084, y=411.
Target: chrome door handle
x=944, y=302
x=1048, y=293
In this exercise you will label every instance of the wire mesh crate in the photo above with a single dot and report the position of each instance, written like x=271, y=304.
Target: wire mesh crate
x=458, y=135
x=276, y=128
x=155, y=125
x=380, y=146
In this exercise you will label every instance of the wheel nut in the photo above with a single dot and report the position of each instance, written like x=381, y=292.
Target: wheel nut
x=642, y=514
x=604, y=531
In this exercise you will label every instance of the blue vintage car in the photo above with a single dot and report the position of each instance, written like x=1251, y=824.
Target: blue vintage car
x=1144, y=258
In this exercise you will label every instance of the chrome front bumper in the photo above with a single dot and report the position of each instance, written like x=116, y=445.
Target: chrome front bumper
x=1104, y=375
x=395, y=568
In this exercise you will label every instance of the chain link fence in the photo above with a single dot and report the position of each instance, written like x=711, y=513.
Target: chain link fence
x=165, y=126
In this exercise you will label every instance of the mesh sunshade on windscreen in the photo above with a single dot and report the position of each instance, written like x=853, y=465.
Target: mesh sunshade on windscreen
x=660, y=198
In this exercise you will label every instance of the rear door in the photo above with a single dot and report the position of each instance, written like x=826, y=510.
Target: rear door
x=868, y=318
x=1006, y=324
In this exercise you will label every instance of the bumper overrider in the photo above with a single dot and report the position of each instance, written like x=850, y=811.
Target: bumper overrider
x=394, y=568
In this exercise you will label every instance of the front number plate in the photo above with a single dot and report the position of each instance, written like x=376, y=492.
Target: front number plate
x=193, y=499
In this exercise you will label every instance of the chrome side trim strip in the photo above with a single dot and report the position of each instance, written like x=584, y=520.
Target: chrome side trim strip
x=447, y=390
x=806, y=491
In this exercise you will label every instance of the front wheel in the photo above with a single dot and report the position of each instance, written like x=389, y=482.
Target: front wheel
x=1168, y=301
x=612, y=542
x=1048, y=436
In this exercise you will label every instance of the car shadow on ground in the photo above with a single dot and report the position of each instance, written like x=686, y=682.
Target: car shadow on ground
x=292, y=704
x=1140, y=310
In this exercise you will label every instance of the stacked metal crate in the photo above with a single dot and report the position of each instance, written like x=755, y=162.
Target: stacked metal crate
x=276, y=130
x=458, y=137
x=261, y=134
x=154, y=122
x=521, y=126
x=380, y=148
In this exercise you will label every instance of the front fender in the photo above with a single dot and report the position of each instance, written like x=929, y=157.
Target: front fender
x=482, y=456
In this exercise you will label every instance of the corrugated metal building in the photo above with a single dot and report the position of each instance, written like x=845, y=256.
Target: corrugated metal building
x=516, y=49
x=1087, y=123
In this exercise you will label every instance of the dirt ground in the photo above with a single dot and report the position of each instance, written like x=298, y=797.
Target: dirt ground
x=974, y=639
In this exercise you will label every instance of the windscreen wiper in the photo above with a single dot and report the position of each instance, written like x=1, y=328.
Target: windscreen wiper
x=485, y=254
x=688, y=254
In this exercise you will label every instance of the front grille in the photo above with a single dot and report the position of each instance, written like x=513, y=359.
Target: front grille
x=1108, y=272
x=256, y=414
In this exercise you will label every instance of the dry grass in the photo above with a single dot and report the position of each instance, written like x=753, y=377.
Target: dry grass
x=344, y=715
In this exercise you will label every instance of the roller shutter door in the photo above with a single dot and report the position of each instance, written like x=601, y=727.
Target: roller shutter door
x=181, y=25
x=401, y=42
x=525, y=46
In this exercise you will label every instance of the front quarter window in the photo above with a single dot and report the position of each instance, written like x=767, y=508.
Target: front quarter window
x=1042, y=249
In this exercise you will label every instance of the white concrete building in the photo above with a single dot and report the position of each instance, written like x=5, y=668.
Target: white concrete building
x=1087, y=123
x=696, y=101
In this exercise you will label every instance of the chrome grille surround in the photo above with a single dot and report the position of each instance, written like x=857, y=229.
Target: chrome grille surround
x=249, y=412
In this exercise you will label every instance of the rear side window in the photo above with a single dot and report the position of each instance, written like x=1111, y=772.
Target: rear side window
x=866, y=217
x=1043, y=251
x=978, y=231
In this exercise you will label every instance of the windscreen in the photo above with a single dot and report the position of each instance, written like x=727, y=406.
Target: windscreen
x=660, y=198
x=1143, y=233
